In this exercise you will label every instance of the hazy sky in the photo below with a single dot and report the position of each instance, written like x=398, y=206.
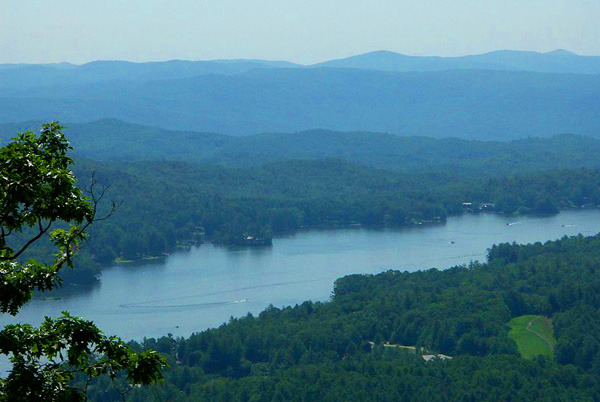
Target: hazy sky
x=304, y=31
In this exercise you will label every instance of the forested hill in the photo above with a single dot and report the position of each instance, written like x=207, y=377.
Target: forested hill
x=335, y=351
x=473, y=104
x=241, y=188
x=115, y=140
x=29, y=76
x=170, y=203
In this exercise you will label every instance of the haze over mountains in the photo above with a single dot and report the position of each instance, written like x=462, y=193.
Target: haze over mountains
x=558, y=61
x=115, y=140
x=496, y=96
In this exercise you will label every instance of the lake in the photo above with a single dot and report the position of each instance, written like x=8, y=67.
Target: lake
x=202, y=287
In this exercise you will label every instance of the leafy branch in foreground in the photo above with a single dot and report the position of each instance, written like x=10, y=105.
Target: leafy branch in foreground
x=37, y=194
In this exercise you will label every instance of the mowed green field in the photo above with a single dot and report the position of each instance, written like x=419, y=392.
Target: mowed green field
x=534, y=335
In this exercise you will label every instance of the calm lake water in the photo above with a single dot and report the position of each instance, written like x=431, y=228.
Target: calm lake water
x=202, y=287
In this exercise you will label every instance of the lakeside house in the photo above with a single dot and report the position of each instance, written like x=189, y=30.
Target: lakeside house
x=483, y=207
x=439, y=356
x=427, y=358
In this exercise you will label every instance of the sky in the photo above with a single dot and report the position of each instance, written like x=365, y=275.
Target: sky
x=302, y=31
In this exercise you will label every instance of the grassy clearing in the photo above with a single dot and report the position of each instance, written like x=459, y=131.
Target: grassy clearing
x=534, y=335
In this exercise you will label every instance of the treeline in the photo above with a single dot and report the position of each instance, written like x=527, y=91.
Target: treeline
x=114, y=140
x=324, y=351
x=164, y=205
x=378, y=378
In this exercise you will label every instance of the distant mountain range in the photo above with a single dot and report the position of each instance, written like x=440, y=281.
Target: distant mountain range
x=26, y=76
x=114, y=140
x=497, y=96
x=558, y=61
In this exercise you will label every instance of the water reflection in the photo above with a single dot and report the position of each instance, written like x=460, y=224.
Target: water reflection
x=203, y=286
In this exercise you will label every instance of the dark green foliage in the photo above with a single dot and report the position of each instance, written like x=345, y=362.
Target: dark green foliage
x=37, y=192
x=46, y=359
x=114, y=140
x=165, y=203
x=310, y=352
x=171, y=203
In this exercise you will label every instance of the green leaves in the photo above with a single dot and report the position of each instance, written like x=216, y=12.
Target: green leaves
x=37, y=189
x=61, y=347
x=18, y=280
x=36, y=183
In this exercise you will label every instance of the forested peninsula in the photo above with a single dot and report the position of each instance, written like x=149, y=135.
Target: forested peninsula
x=195, y=203
x=348, y=349
x=185, y=188
x=154, y=160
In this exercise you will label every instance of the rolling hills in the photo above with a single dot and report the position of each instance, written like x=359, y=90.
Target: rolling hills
x=497, y=96
x=558, y=61
x=114, y=140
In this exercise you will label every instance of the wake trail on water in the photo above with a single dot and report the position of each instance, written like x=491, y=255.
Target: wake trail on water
x=151, y=306
x=180, y=307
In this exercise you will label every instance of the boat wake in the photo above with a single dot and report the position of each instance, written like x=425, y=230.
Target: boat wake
x=170, y=304
x=138, y=308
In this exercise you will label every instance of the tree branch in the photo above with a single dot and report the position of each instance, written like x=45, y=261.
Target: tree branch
x=42, y=231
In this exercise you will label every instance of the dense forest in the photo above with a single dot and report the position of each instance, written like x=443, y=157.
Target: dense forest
x=114, y=140
x=164, y=205
x=166, y=156
x=335, y=351
x=228, y=205
x=249, y=189
x=347, y=349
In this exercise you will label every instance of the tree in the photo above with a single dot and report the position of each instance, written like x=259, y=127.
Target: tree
x=39, y=199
